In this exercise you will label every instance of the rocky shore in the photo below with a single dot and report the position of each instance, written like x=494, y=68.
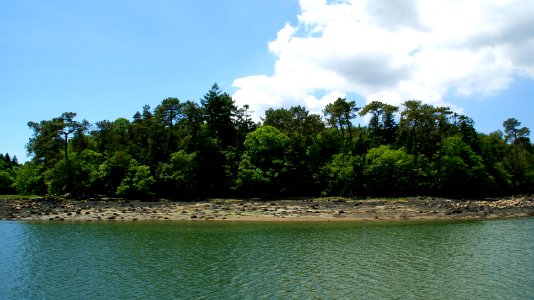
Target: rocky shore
x=312, y=209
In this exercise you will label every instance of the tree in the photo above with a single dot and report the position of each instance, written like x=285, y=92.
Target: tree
x=76, y=175
x=460, y=171
x=112, y=172
x=514, y=134
x=342, y=176
x=297, y=123
x=139, y=136
x=264, y=167
x=244, y=123
x=8, y=168
x=219, y=112
x=169, y=112
x=165, y=132
x=340, y=113
x=137, y=182
x=69, y=127
x=50, y=136
x=178, y=176
x=6, y=181
x=423, y=127
x=46, y=144
x=466, y=127
x=193, y=119
x=29, y=179
x=520, y=160
x=280, y=118
x=388, y=172
x=382, y=125
x=493, y=150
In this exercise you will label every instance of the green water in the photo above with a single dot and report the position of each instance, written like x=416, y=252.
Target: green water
x=439, y=260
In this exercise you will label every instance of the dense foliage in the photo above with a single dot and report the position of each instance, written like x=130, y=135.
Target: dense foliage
x=213, y=149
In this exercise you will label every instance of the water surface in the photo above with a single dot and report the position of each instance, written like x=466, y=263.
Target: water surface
x=339, y=260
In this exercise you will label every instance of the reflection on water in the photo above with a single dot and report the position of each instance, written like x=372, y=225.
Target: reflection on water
x=439, y=260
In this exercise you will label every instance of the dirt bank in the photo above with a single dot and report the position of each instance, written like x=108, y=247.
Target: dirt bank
x=313, y=209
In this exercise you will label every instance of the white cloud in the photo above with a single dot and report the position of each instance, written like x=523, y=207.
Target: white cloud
x=394, y=51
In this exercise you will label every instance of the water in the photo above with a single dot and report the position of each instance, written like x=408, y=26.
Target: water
x=434, y=260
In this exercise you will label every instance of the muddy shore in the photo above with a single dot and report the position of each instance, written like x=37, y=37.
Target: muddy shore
x=313, y=209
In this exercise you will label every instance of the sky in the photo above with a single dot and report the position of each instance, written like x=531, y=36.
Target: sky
x=107, y=59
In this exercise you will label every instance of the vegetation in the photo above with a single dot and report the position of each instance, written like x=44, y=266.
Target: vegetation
x=213, y=149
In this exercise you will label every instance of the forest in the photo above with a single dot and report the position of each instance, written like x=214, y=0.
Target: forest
x=188, y=150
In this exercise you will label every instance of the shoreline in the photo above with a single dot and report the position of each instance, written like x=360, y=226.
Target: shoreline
x=302, y=210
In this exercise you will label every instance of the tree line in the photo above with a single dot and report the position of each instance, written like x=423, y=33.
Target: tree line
x=187, y=150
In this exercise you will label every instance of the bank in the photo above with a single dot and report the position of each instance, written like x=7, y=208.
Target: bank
x=304, y=209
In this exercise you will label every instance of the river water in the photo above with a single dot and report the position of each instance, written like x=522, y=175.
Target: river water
x=286, y=260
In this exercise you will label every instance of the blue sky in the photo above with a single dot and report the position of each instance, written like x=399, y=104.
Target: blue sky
x=106, y=59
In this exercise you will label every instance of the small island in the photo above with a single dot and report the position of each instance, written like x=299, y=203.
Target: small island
x=213, y=162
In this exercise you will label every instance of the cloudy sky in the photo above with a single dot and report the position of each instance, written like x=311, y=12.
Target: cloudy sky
x=106, y=59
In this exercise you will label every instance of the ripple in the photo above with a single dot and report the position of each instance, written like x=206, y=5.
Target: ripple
x=438, y=260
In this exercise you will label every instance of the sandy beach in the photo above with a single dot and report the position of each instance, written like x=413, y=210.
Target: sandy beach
x=312, y=209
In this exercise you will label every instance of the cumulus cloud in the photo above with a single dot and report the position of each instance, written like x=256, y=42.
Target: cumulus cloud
x=394, y=51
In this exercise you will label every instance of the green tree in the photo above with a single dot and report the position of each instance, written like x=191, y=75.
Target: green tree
x=178, y=176
x=111, y=137
x=8, y=168
x=493, y=150
x=192, y=122
x=69, y=126
x=76, y=176
x=6, y=181
x=460, y=171
x=166, y=133
x=466, y=127
x=519, y=159
x=342, y=176
x=382, y=124
x=515, y=135
x=340, y=113
x=29, y=179
x=219, y=109
x=388, y=172
x=423, y=127
x=46, y=143
x=264, y=168
x=51, y=136
x=244, y=123
x=137, y=182
x=112, y=172
x=169, y=112
x=297, y=123
x=304, y=130
x=139, y=136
